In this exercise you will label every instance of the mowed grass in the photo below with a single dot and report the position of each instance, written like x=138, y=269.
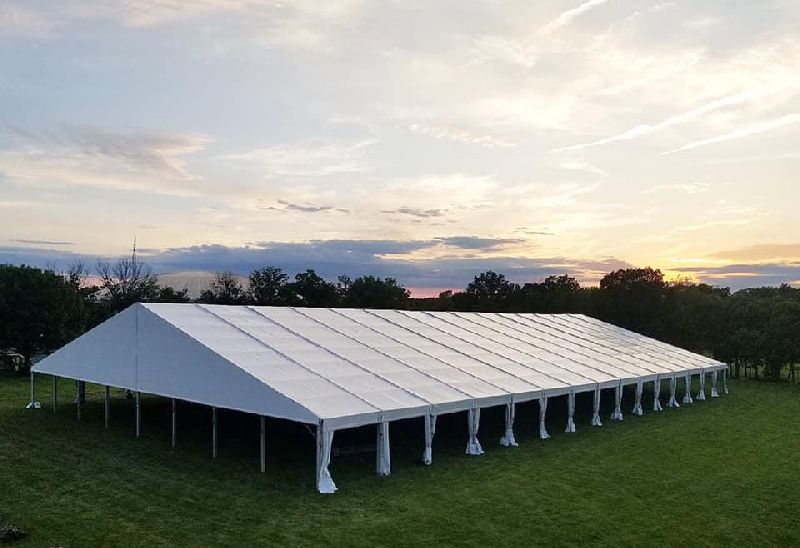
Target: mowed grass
x=721, y=472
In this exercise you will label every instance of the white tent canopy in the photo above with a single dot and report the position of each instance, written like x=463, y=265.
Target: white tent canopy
x=342, y=368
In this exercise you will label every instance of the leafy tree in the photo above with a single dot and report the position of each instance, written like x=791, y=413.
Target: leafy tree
x=167, y=294
x=309, y=289
x=489, y=291
x=373, y=292
x=268, y=286
x=126, y=282
x=224, y=289
x=553, y=294
x=634, y=298
x=39, y=311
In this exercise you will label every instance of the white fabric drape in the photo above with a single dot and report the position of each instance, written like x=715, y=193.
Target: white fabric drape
x=714, y=392
x=596, y=414
x=725, y=382
x=324, y=441
x=657, y=394
x=701, y=393
x=687, y=397
x=508, y=438
x=673, y=389
x=383, y=462
x=616, y=415
x=474, y=420
x=542, y=412
x=430, y=427
x=570, y=413
x=637, y=406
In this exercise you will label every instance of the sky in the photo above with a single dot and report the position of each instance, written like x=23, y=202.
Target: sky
x=428, y=141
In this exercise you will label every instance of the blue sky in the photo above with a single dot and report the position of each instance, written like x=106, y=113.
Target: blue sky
x=426, y=140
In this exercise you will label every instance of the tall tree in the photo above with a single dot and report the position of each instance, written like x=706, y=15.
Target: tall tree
x=268, y=286
x=491, y=291
x=125, y=282
x=374, y=292
x=39, y=311
x=225, y=289
x=634, y=298
x=309, y=289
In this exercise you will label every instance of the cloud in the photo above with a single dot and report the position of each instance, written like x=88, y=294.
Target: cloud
x=41, y=242
x=566, y=17
x=743, y=275
x=87, y=156
x=19, y=21
x=284, y=205
x=416, y=212
x=761, y=252
x=331, y=258
x=755, y=129
x=647, y=129
x=313, y=159
x=460, y=135
x=475, y=242
x=687, y=188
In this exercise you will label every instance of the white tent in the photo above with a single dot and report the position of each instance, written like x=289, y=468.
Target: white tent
x=342, y=368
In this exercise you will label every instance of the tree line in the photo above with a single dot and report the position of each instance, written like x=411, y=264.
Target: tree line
x=757, y=330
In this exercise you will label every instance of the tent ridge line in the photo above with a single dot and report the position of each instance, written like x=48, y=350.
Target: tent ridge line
x=334, y=353
x=454, y=349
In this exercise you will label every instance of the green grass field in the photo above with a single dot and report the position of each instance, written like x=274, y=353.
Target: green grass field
x=720, y=472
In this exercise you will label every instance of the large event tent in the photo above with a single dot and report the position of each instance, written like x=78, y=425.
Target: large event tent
x=343, y=368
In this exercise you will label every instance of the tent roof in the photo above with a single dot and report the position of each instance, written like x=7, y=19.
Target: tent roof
x=350, y=367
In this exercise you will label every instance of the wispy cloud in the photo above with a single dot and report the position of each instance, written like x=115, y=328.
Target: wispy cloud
x=566, y=17
x=647, y=129
x=755, y=129
x=460, y=135
x=40, y=242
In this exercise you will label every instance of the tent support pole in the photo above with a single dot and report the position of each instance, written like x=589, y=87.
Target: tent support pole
x=263, y=422
x=174, y=423
x=33, y=404
x=107, y=406
x=55, y=394
x=138, y=414
x=77, y=401
x=213, y=432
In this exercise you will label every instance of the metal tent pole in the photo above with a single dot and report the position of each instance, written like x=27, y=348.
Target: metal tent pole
x=174, y=423
x=55, y=393
x=107, y=406
x=263, y=445
x=33, y=404
x=213, y=432
x=138, y=414
x=77, y=400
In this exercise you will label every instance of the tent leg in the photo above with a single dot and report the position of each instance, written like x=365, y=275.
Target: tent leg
x=508, y=437
x=616, y=415
x=687, y=397
x=725, y=381
x=473, y=422
x=263, y=444
x=701, y=393
x=324, y=442
x=213, y=432
x=637, y=406
x=427, y=453
x=570, y=413
x=138, y=399
x=542, y=415
x=77, y=400
x=55, y=394
x=596, y=408
x=673, y=389
x=174, y=423
x=33, y=404
x=383, y=465
x=107, y=406
x=714, y=392
x=657, y=394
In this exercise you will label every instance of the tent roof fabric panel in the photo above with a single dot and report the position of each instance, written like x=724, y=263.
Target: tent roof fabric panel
x=351, y=367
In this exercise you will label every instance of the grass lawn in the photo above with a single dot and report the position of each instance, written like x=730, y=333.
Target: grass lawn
x=720, y=472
